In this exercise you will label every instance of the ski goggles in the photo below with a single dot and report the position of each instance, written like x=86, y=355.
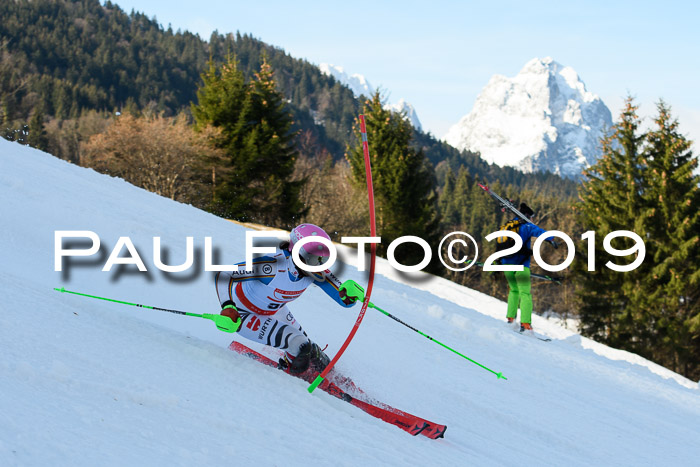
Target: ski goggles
x=311, y=259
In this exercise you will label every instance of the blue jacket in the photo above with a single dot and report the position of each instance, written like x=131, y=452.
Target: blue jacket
x=526, y=231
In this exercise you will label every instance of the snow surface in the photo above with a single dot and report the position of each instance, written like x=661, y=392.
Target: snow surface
x=359, y=85
x=543, y=119
x=87, y=382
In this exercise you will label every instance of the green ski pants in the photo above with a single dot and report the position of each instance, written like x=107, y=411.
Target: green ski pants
x=519, y=294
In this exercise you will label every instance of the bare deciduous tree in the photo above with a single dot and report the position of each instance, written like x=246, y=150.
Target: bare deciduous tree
x=333, y=202
x=159, y=154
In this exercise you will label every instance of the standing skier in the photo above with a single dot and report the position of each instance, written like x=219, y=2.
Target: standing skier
x=259, y=298
x=519, y=281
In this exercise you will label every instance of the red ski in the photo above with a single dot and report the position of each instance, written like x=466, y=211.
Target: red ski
x=407, y=422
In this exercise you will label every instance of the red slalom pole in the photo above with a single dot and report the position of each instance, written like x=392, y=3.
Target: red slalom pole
x=373, y=248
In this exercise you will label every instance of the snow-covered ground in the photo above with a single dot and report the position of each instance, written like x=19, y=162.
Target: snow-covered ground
x=86, y=382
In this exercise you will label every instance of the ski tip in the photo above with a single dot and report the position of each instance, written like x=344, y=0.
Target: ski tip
x=59, y=290
x=500, y=376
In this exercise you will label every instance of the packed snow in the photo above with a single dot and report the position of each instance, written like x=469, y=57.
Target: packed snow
x=89, y=382
x=543, y=119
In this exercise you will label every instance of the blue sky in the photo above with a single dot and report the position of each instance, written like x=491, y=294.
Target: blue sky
x=438, y=55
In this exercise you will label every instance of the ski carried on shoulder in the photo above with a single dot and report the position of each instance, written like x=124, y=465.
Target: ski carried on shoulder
x=505, y=203
x=405, y=421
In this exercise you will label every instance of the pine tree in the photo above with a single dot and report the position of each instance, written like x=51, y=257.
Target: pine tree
x=37, y=133
x=221, y=98
x=403, y=182
x=645, y=183
x=273, y=143
x=611, y=200
x=257, y=137
x=449, y=215
x=480, y=214
x=673, y=244
x=455, y=199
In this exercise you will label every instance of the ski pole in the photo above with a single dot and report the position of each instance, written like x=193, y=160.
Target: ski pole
x=223, y=323
x=372, y=305
x=555, y=279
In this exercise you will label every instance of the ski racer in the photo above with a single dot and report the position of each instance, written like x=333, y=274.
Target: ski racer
x=260, y=298
x=519, y=281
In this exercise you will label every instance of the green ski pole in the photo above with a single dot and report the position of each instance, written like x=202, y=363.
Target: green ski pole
x=372, y=305
x=223, y=323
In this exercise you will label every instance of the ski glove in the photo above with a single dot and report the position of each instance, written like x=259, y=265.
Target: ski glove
x=350, y=291
x=228, y=308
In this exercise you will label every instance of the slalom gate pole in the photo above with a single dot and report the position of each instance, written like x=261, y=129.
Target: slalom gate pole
x=223, y=323
x=372, y=305
x=373, y=248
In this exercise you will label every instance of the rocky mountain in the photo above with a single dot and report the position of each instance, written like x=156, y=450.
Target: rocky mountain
x=543, y=119
x=411, y=115
x=359, y=85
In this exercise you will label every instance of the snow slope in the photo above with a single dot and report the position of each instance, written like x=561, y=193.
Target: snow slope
x=86, y=382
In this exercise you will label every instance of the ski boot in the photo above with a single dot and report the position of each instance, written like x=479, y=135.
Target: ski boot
x=310, y=355
x=285, y=362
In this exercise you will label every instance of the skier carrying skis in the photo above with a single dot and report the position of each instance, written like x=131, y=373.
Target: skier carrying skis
x=519, y=281
x=260, y=298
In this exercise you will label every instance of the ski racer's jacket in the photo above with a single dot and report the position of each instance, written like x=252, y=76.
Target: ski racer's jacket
x=273, y=282
x=526, y=231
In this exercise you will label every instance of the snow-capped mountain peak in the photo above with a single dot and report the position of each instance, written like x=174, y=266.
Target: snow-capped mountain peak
x=543, y=119
x=409, y=110
x=359, y=85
